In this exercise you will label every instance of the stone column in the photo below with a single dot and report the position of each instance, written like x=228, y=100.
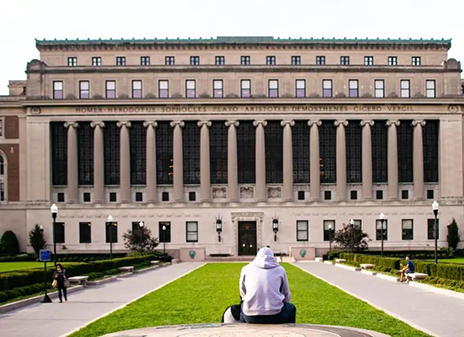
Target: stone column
x=73, y=177
x=392, y=160
x=98, y=162
x=315, y=161
x=287, y=190
x=178, y=161
x=418, y=157
x=260, y=179
x=124, y=165
x=152, y=192
x=232, y=166
x=205, y=175
x=341, y=160
x=367, y=160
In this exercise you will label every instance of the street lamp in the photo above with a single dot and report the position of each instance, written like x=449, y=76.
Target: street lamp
x=330, y=237
x=275, y=227
x=435, y=212
x=54, y=210
x=110, y=224
x=382, y=222
x=164, y=238
x=351, y=234
x=219, y=227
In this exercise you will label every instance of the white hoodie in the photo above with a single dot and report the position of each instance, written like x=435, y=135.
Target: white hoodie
x=263, y=285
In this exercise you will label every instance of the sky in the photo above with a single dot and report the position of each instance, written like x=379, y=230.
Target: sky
x=22, y=21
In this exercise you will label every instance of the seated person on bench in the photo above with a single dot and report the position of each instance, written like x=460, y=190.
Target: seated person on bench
x=408, y=269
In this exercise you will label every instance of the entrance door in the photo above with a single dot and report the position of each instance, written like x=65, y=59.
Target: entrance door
x=247, y=244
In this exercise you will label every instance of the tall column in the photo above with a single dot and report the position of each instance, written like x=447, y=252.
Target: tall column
x=260, y=186
x=341, y=160
x=315, y=161
x=178, y=161
x=152, y=192
x=232, y=166
x=418, y=157
x=392, y=160
x=98, y=162
x=367, y=160
x=287, y=193
x=73, y=178
x=124, y=164
x=205, y=175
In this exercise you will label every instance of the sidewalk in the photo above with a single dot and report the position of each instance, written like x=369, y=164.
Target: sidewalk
x=56, y=319
x=432, y=313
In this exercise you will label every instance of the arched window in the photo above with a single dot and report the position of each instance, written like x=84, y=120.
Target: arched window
x=2, y=178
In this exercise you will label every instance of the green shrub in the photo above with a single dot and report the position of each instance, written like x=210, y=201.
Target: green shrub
x=18, y=258
x=9, y=244
x=386, y=262
x=22, y=291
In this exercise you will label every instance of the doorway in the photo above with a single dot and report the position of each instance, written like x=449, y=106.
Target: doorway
x=247, y=242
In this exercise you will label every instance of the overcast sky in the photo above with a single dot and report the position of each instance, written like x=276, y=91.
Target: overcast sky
x=21, y=21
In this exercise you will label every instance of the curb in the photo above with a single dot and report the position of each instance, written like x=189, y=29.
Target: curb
x=140, y=271
x=100, y=282
x=347, y=267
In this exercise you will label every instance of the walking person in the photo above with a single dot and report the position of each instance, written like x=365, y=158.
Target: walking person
x=62, y=282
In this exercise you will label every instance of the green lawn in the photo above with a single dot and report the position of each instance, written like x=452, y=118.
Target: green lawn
x=458, y=260
x=11, y=266
x=202, y=296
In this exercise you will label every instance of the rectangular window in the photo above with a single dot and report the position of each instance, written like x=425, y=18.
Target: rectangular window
x=430, y=88
x=245, y=60
x=113, y=197
x=165, y=196
x=163, y=90
x=357, y=223
x=85, y=232
x=218, y=90
x=111, y=232
x=431, y=229
x=60, y=197
x=145, y=60
x=296, y=60
x=138, y=196
x=72, y=61
x=320, y=60
x=120, y=60
x=301, y=195
x=270, y=60
x=245, y=88
x=329, y=229
x=110, y=89
x=86, y=197
x=169, y=60
x=164, y=231
x=194, y=60
x=57, y=90
x=407, y=229
x=378, y=229
x=379, y=88
x=96, y=61
x=392, y=60
x=430, y=193
x=344, y=60
x=84, y=89
x=327, y=195
x=59, y=232
x=368, y=60
x=220, y=60
x=273, y=88
x=1, y=127
x=326, y=88
x=192, y=231
x=405, y=88
x=300, y=88
x=137, y=89
x=353, y=90
x=354, y=195
x=190, y=89
x=379, y=195
x=416, y=60
x=302, y=230
x=192, y=196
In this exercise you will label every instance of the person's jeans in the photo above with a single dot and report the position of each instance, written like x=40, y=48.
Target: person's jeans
x=64, y=293
x=286, y=315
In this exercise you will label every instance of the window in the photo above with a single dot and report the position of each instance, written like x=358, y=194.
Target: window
x=296, y=60
x=110, y=89
x=353, y=90
x=218, y=148
x=404, y=194
x=378, y=229
x=120, y=60
x=407, y=229
x=164, y=154
x=1, y=128
x=431, y=229
x=164, y=231
x=246, y=145
x=163, y=89
x=379, y=136
x=270, y=60
x=273, y=88
x=301, y=195
x=357, y=223
x=430, y=88
x=379, y=88
x=245, y=88
x=138, y=153
x=368, y=60
x=320, y=60
x=192, y=231
x=300, y=145
x=300, y=86
x=111, y=232
x=72, y=61
x=2, y=178
x=329, y=229
x=194, y=60
x=96, y=61
x=59, y=196
x=165, y=196
x=86, y=197
x=192, y=196
x=405, y=88
x=191, y=150
x=302, y=230
x=137, y=89
x=218, y=91
x=138, y=196
x=273, y=134
x=344, y=60
x=392, y=60
x=404, y=135
x=430, y=194
x=59, y=232
x=145, y=60
x=327, y=152
x=220, y=60
x=85, y=148
x=57, y=90
x=416, y=60
x=113, y=196
x=169, y=60
x=327, y=88
x=354, y=195
x=327, y=195
x=85, y=232
x=190, y=89
x=353, y=146
x=245, y=60
x=379, y=195
x=430, y=135
x=84, y=89
x=59, y=155
x=112, y=154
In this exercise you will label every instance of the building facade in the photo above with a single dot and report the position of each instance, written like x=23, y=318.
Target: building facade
x=279, y=139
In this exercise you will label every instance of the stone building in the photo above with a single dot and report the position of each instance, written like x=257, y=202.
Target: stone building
x=279, y=139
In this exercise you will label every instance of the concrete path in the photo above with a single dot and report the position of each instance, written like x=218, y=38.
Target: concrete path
x=57, y=319
x=430, y=312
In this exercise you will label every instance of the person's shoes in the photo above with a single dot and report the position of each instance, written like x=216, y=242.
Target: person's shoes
x=66, y=299
x=407, y=281
x=61, y=301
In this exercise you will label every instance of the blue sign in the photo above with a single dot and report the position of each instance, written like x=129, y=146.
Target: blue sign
x=45, y=255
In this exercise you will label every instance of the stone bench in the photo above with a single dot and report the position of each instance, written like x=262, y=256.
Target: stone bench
x=367, y=266
x=340, y=260
x=78, y=280
x=155, y=262
x=127, y=268
x=416, y=276
x=319, y=259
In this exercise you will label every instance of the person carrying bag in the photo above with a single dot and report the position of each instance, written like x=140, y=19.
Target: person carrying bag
x=62, y=282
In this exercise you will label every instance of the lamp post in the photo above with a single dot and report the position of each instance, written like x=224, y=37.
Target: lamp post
x=435, y=213
x=164, y=239
x=330, y=237
x=275, y=227
x=219, y=227
x=351, y=234
x=54, y=210
x=110, y=224
x=382, y=224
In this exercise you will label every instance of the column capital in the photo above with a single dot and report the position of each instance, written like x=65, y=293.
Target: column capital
x=120, y=124
x=207, y=123
x=367, y=122
x=417, y=122
x=234, y=123
x=258, y=122
x=75, y=125
x=338, y=123
x=150, y=123
x=315, y=122
x=180, y=123
x=287, y=122
x=95, y=124
x=390, y=123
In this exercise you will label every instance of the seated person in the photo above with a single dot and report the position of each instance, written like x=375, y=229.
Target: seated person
x=408, y=269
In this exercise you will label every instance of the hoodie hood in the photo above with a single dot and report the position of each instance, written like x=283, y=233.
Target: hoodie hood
x=265, y=259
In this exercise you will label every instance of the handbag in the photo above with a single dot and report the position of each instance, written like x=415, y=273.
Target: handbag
x=55, y=283
x=66, y=283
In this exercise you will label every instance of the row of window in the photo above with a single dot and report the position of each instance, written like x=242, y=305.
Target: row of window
x=2, y=178
x=245, y=89
x=271, y=60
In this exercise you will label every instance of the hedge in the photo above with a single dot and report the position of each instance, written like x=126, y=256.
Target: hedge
x=385, y=262
x=18, y=258
x=11, y=294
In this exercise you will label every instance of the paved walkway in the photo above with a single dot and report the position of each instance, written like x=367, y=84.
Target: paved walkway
x=57, y=319
x=430, y=312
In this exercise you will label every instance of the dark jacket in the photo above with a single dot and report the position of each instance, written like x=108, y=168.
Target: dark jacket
x=60, y=277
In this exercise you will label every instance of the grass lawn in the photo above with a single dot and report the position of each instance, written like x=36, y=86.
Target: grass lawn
x=11, y=266
x=457, y=260
x=203, y=295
